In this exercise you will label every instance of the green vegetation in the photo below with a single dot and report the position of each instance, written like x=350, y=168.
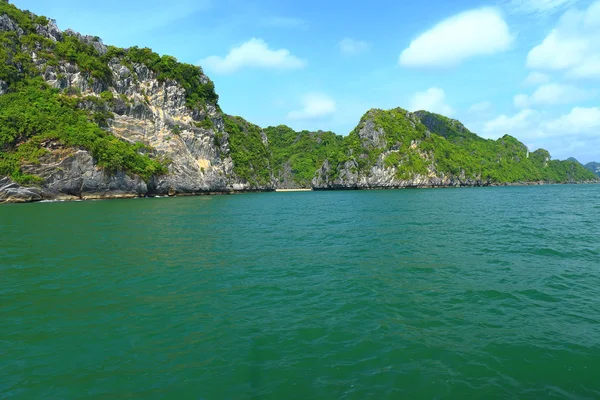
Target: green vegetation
x=251, y=158
x=84, y=55
x=302, y=152
x=205, y=123
x=24, y=19
x=502, y=160
x=442, y=146
x=35, y=114
x=199, y=89
x=187, y=75
x=448, y=128
x=32, y=116
x=594, y=167
x=439, y=145
x=451, y=149
x=176, y=129
x=16, y=64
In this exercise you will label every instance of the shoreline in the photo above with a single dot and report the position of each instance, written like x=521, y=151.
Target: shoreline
x=121, y=196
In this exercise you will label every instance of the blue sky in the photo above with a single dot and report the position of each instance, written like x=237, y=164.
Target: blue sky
x=529, y=68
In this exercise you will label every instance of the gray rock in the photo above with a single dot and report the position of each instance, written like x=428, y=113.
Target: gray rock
x=8, y=25
x=3, y=87
x=77, y=176
x=93, y=41
x=371, y=137
x=67, y=75
x=50, y=31
x=11, y=192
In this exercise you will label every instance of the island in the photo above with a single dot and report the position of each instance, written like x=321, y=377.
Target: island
x=83, y=120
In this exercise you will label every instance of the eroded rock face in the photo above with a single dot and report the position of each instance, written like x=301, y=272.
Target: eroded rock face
x=12, y=192
x=70, y=175
x=154, y=112
x=145, y=110
x=8, y=25
x=347, y=176
x=380, y=177
x=49, y=31
x=371, y=136
x=94, y=41
x=73, y=174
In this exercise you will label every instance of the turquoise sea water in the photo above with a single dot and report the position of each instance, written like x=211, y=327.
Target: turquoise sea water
x=445, y=293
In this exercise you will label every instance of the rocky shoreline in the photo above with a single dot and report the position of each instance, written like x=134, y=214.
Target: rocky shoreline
x=512, y=184
x=12, y=193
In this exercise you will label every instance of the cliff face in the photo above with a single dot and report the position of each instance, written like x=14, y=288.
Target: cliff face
x=139, y=107
x=79, y=119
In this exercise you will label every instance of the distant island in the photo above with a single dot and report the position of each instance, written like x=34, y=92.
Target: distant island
x=594, y=167
x=82, y=120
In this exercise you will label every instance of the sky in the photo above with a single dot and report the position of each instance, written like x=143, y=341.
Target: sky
x=528, y=68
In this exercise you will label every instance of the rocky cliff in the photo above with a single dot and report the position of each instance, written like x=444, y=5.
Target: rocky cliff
x=132, y=94
x=396, y=148
x=82, y=120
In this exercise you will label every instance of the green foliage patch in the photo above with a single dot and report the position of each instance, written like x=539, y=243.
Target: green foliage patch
x=452, y=150
x=304, y=151
x=251, y=158
x=187, y=75
x=35, y=113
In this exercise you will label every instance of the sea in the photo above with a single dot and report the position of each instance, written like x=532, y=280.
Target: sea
x=488, y=293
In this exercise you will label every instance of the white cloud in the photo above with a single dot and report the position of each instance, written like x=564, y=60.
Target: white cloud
x=536, y=78
x=553, y=94
x=539, y=6
x=580, y=121
x=465, y=35
x=433, y=100
x=314, y=106
x=504, y=124
x=480, y=107
x=353, y=47
x=253, y=53
x=573, y=46
x=572, y=134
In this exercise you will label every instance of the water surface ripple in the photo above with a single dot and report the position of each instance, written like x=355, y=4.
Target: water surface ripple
x=450, y=293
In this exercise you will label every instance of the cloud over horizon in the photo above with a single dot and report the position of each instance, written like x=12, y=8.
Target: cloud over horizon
x=314, y=106
x=562, y=135
x=553, y=94
x=433, y=100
